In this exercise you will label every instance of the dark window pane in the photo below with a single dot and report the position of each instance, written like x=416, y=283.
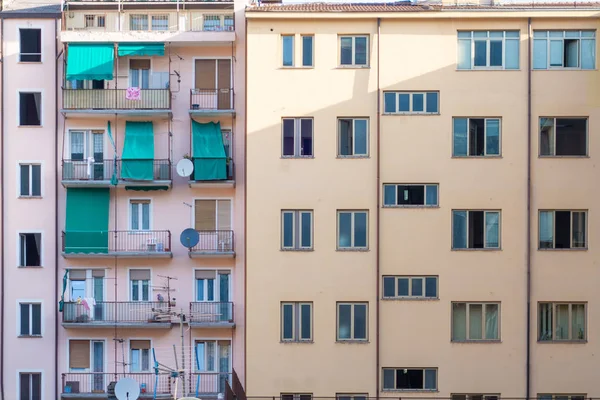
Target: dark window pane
x=32, y=249
x=25, y=180
x=430, y=287
x=306, y=321
x=345, y=129
x=345, y=312
x=360, y=229
x=24, y=380
x=346, y=51
x=361, y=51
x=307, y=51
x=36, y=185
x=306, y=223
x=30, y=109
x=31, y=45
x=25, y=319
x=389, y=100
x=432, y=102
x=496, y=53
x=36, y=388
x=288, y=321
x=389, y=286
x=403, y=287
x=418, y=102
x=344, y=230
x=411, y=379
x=476, y=229
x=306, y=137
x=562, y=230
x=305, y=397
x=460, y=133
x=480, y=53
x=288, y=137
x=388, y=379
x=288, y=50
x=571, y=137
x=36, y=319
x=476, y=137
x=411, y=195
x=430, y=379
x=389, y=195
x=404, y=102
x=417, y=287
x=360, y=321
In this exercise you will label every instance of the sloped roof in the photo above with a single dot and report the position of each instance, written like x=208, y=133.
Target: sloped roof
x=30, y=8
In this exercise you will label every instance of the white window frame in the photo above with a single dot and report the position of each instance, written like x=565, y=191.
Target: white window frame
x=554, y=305
x=394, y=389
x=352, y=230
x=297, y=230
x=88, y=143
x=585, y=212
x=31, y=91
x=368, y=136
x=216, y=200
x=298, y=138
x=554, y=125
x=20, y=237
x=312, y=56
x=29, y=303
x=549, y=39
x=352, y=305
x=485, y=119
x=95, y=19
x=296, y=321
x=425, y=185
x=354, y=64
x=222, y=27
x=488, y=39
x=484, y=311
x=30, y=372
x=215, y=354
x=410, y=278
x=139, y=283
x=475, y=396
x=92, y=358
x=216, y=288
x=411, y=102
x=485, y=212
x=140, y=212
x=140, y=351
x=29, y=166
x=41, y=44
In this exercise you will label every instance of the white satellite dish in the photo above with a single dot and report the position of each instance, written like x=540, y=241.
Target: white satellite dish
x=127, y=389
x=185, y=167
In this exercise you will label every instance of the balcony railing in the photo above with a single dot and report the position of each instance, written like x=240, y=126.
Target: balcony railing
x=211, y=99
x=211, y=313
x=97, y=382
x=115, y=99
x=82, y=170
x=122, y=312
x=230, y=174
x=145, y=243
x=214, y=242
x=208, y=382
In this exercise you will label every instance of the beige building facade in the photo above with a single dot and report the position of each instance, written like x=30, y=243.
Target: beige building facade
x=420, y=220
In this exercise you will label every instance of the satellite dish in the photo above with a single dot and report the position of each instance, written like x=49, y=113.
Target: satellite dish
x=185, y=167
x=189, y=238
x=127, y=389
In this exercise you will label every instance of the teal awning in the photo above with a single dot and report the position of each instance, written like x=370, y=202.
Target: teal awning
x=138, y=151
x=141, y=49
x=90, y=61
x=208, y=152
x=86, y=227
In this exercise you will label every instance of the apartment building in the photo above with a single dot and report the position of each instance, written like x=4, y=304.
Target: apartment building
x=134, y=260
x=420, y=185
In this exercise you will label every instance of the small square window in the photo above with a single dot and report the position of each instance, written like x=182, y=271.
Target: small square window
x=354, y=50
x=31, y=319
x=30, y=109
x=475, y=321
x=475, y=229
x=296, y=229
x=476, y=137
x=296, y=322
x=30, y=180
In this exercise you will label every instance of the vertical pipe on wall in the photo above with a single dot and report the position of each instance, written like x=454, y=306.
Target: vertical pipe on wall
x=245, y=164
x=528, y=242
x=56, y=180
x=2, y=211
x=377, y=250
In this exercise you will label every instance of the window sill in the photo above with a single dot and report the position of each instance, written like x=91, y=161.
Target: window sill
x=297, y=250
x=406, y=113
x=297, y=157
x=581, y=341
x=30, y=266
x=300, y=67
x=410, y=298
x=29, y=62
x=571, y=249
x=352, y=341
x=560, y=156
x=30, y=336
x=411, y=390
x=30, y=197
x=488, y=69
x=494, y=249
x=477, y=157
x=30, y=126
x=410, y=206
x=353, y=67
x=477, y=341
x=343, y=250
x=564, y=69
x=296, y=341
x=351, y=157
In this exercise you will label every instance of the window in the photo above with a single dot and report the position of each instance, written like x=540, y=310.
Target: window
x=160, y=22
x=353, y=50
x=475, y=229
x=31, y=185
x=410, y=287
x=563, y=229
x=563, y=136
x=95, y=21
x=139, y=355
x=411, y=102
x=31, y=319
x=307, y=50
x=412, y=379
x=296, y=231
x=30, y=386
x=562, y=321
x=561, y=396
x=296, y=322
x=352, y=230
x=218, y=22
x=564, y=49
x=488, y=50
x=474, y=396
x=213, y=215
x=138, y=22
x=140, y=215
x=295, y=396
x=287, y=43
x=139, y=73
x=214, y=356
x=476, y=137
x=30, y=249
x=30, y=109
x=31, y=45
x=407, y=195
x=141, y=22
x=353, y=139
x=475, y=321
x=85, y=84
x=140, y=284
x=297, y=137
x=351, y=396
x=352, y=321
x=212, y=285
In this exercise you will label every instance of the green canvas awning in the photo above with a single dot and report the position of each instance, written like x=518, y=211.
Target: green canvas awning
x=141, y=49
x=90, y=61
x=208, y=152
x=86, y=227
x=138, y=151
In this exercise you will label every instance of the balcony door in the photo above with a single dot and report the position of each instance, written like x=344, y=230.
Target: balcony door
x=213, y=223
x=213, y=84
x=213, y=357
x=86, y=366
x=214, y=287
x=86, y=156
x=139, y=73
x=87, y=291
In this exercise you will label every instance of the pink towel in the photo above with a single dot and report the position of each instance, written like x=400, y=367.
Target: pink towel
x=133, y=93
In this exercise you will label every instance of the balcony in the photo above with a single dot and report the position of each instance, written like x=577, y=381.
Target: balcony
x=213, y=244
x=84, y=173
x=120, y=244
x=208, y=383
x=211, y=102
x=94, y=385
x=208, y=314
x=137, y=314
x=114, y=101
x=212, y=184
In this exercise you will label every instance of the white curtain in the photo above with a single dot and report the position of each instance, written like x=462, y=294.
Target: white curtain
x=578, y=322
x=459, y=321
x=492, y=229
x=491, y=321
x=546, y=229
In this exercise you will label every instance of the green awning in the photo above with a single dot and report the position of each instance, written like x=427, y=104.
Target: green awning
x=208, y=152
x=138, y=151
x=90, y=61
x=141, y=49
x=86, y=227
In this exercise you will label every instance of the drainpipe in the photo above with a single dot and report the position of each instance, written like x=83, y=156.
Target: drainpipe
x=377, y=250
x=2, y=212
x=245, y=163
x=56, y=230
x=528, y=250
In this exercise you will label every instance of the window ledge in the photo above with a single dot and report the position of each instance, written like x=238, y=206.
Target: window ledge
x=561, y=156
x=343, y=250
x=411, y=390
x=352, y=341
x=571, y=249
x=297, y=250
x=494, y=249
x=350, y=157
x=296, y=341
x=476, y=341
x=30, y=336
x=297, y=157
x=353, y=67
x=30, y=197
x=29, y=266
x=299, y=67
x=30, y=126
x=578, y=341
x=488, y=69
x=29, y=62
x=410, y=206
x=478, y=157
x=564, y=69
x=413, y=114
x=410, y=298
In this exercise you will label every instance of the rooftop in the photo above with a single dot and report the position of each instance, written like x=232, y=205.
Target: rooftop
x=30, y=8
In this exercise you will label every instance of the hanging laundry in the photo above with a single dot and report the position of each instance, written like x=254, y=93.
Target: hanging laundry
x=133, y=93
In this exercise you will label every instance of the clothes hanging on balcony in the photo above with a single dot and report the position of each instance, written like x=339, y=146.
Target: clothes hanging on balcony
x=93, y=61
x=86, y=227
x=138, y=151
x=208, y=152
x=141, y=49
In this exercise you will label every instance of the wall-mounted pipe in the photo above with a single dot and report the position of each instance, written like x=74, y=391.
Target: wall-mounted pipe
x=528, y=242
x=2, y=211
x=378, y=214
x=56, y=183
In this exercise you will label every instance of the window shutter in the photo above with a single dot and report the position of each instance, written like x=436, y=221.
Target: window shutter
x=139, y=274
x=139, y=344
x=79, y=354
x=205, y=74
x=77, y=274
x=224, y=215
x=98, y=273
x=139, y=64
x=203, y=274
x=205, y=215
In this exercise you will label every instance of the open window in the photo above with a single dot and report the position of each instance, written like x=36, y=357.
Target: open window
x=476, y=137
x=475, y=229
x=30, y=109
x=563, y=136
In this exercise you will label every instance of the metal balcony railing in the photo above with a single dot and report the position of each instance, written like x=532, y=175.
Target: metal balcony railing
x=214, y=242
x=115, y=99
x=114, y=242
x=208, y=382
x=102, y=170
x=208, y=312
x=211, y=99
x=97, y=382
x=111, y=312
